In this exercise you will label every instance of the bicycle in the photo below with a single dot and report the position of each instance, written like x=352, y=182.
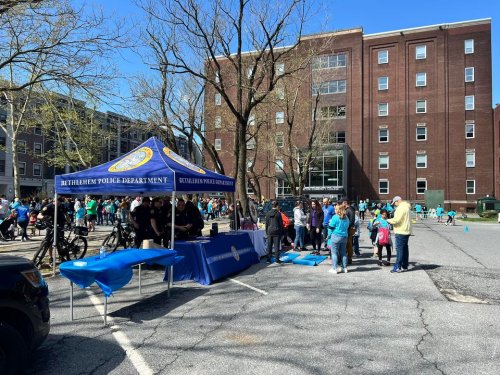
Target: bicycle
x=67, y=248
x=121, y=235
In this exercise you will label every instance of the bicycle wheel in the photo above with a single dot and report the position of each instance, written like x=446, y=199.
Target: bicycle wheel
x=77, y=248
x=40, y=253
x=111, y=242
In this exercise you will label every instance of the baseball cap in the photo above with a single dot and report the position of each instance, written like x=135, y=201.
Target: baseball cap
x=396, y=198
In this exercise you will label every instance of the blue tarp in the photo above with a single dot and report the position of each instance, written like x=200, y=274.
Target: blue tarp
x=115, y=270
x=150, y=168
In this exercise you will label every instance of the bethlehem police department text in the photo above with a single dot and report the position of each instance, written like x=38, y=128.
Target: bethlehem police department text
x=115, y=180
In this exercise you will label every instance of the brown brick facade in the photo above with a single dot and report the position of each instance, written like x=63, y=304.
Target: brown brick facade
x=442, y=123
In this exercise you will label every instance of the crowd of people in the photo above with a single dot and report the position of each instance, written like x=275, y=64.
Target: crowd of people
x=335, y=227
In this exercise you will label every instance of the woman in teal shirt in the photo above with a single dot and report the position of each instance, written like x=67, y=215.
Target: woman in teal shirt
x=338, y=226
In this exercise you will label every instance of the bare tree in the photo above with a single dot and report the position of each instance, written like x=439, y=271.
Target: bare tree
x=217, y=33
x=50, y=45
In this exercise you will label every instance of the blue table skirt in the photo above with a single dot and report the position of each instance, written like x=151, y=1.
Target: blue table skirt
x=207, y=259
x=115, y=270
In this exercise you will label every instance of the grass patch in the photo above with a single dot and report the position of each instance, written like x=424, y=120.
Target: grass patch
x=481, y=219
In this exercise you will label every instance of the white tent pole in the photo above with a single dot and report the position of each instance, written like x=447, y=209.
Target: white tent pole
x=54, y=241
x=172, y=234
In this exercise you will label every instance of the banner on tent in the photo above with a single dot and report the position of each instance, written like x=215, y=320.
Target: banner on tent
x=114, y=180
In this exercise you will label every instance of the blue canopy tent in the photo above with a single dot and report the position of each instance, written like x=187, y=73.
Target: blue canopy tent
x=151, y=168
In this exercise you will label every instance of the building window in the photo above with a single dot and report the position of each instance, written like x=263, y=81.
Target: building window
x=326, y=62
x=37, y=170
x=250, y=187
x=280, y=92
x=421, y=52
x=218, y=99
x=280, y=117
x=21, y=147
x=326, y=170
x=280, y=140
x=251, y=120
x=329, y=87
x=37, y=130
x=333, y=137
x=470, y=158
x=421, y=133
x=37, y=149
x=470, y=130
x=383, y=56
x=469, y=103
x=283, y=188
x=22, y=168
x=2, y=167
x=279, y=165
x=421, y=80
x=421, y=186
x=217, y=77
x=383, y=187
x=249, y=72
x=469, y=46
x=383, y=83
x=383, y=109
x=470, y=186
x=469, y=74
x=422, y=161
x=421, y=106
x=383, y=135
x=249, y=164
x=251, y=144
x=383, y=162
x=279, y=69
x=332, y=112
x=218, y=144
x=218, y=122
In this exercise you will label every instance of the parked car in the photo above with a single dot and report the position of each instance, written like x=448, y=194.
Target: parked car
x=24, y=312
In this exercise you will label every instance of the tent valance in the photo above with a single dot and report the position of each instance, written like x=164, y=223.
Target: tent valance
x=150, y=168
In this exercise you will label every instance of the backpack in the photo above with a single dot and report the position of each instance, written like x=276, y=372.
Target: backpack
x=286, y=220
x=384, y=236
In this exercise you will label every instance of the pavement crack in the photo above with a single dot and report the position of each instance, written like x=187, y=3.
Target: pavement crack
x=423, y=337
x=458, y=247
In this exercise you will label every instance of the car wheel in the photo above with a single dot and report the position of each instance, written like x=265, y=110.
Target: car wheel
x=13, y=350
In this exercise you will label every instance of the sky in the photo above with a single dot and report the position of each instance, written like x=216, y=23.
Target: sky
x=372, y=16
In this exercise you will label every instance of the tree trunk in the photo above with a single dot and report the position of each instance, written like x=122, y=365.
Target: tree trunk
x=15, y=165
x=241, y=168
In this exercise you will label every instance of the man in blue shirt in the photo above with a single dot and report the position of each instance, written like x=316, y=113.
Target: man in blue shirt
x=362, y=209
x=22, y=213
x=328, y=212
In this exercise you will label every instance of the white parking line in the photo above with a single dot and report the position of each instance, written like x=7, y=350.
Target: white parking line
x=135, y=357
x=249, y=286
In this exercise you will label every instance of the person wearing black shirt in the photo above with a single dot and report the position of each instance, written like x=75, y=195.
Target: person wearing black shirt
x=47, y=214
x=351, y=215
x=158, y=221
x=183, y=222
x=141, y=219
x=196, y=219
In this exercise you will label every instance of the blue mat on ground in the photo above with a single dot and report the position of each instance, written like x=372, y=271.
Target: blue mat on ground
x=288, y=257
x=317, y=258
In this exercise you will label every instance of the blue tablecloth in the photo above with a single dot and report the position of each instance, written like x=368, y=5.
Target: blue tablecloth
x=115, y=270
x=207, y=259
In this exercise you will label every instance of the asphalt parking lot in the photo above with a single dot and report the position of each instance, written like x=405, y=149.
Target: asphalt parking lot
x=297, y=319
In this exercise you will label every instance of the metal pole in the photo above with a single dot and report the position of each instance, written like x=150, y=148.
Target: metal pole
x=71, y=299
x=170, y=278
x=235, y=213
x=105, y=311
x=140, y=267
x=54, y=242
x=172, y=234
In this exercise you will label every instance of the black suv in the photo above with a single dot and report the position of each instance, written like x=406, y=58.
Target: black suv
x=24, y=312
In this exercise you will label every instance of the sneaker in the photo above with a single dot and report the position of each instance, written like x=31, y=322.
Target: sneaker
x=268, y=261
x=279, y=261
x=404, y=269
x=332, y=270
x=380, y=263
x=396, y=271
x=345, y=270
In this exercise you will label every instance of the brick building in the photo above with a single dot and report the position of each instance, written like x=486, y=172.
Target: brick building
x=497, y=150
x=413, y=107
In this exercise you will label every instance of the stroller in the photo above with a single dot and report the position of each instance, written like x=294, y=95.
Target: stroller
x=7, y=229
